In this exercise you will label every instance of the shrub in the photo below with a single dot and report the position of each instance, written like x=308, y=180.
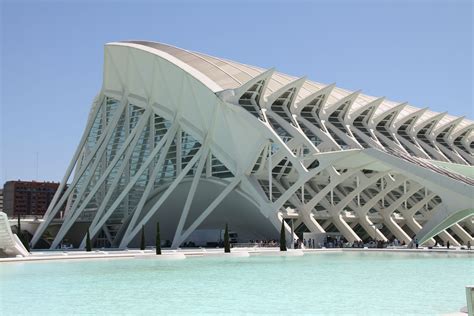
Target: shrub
x=226, y=239
x=88, y=241
x=142, y=241
x=282, y=237
x=22, y=236
x=158, y=239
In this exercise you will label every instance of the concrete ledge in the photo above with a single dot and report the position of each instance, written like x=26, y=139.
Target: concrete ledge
x=278, y=253
x=223, y=254
x=214, y=252
x=163, y=256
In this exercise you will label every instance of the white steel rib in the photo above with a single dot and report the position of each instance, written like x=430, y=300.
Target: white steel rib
x=195, y=141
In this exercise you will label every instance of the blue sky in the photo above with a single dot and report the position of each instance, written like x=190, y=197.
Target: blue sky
x=52, y=57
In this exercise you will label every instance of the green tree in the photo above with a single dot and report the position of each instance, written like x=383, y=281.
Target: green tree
x=88, y=241
x=22, y=236
x=226, y=239
x=282, y=236
x=18, y=229
x=142, y=241
x=26, y=241
x=158, y=239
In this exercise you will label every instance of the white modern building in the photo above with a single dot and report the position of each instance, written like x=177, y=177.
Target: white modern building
x=196, y=141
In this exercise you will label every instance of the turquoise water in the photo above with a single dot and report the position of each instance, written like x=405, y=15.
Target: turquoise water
x=324, y=283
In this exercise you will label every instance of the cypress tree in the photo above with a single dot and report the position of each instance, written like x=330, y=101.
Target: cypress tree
x=23, y=237
x=18, y=230
x=226, y=239
x=142, y=241
x=282, y=237
x=26, y=242
x=158, y=239
x=88, y=241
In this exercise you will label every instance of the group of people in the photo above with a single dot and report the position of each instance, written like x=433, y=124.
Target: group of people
x=448, y=245
x=329, y=242
x=310, y=243
x=370, y=244
x=265, y=243
x=334, y=242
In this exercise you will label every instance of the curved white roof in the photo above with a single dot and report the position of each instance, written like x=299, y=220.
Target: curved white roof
x=231, y=75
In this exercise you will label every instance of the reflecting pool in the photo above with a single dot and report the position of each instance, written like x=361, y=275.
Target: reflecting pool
x=324, y=283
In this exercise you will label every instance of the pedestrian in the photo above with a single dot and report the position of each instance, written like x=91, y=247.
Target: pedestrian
x=416, y=243
x=447, y=244
x=468, y=245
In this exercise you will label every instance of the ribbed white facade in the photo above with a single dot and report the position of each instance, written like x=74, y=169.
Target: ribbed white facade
x=196, y=141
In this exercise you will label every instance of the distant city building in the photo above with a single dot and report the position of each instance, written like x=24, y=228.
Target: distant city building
x=27, y=197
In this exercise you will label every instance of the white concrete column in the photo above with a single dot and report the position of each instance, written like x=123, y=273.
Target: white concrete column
x=368, y=225
x=345, y=229
x=465, y=236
